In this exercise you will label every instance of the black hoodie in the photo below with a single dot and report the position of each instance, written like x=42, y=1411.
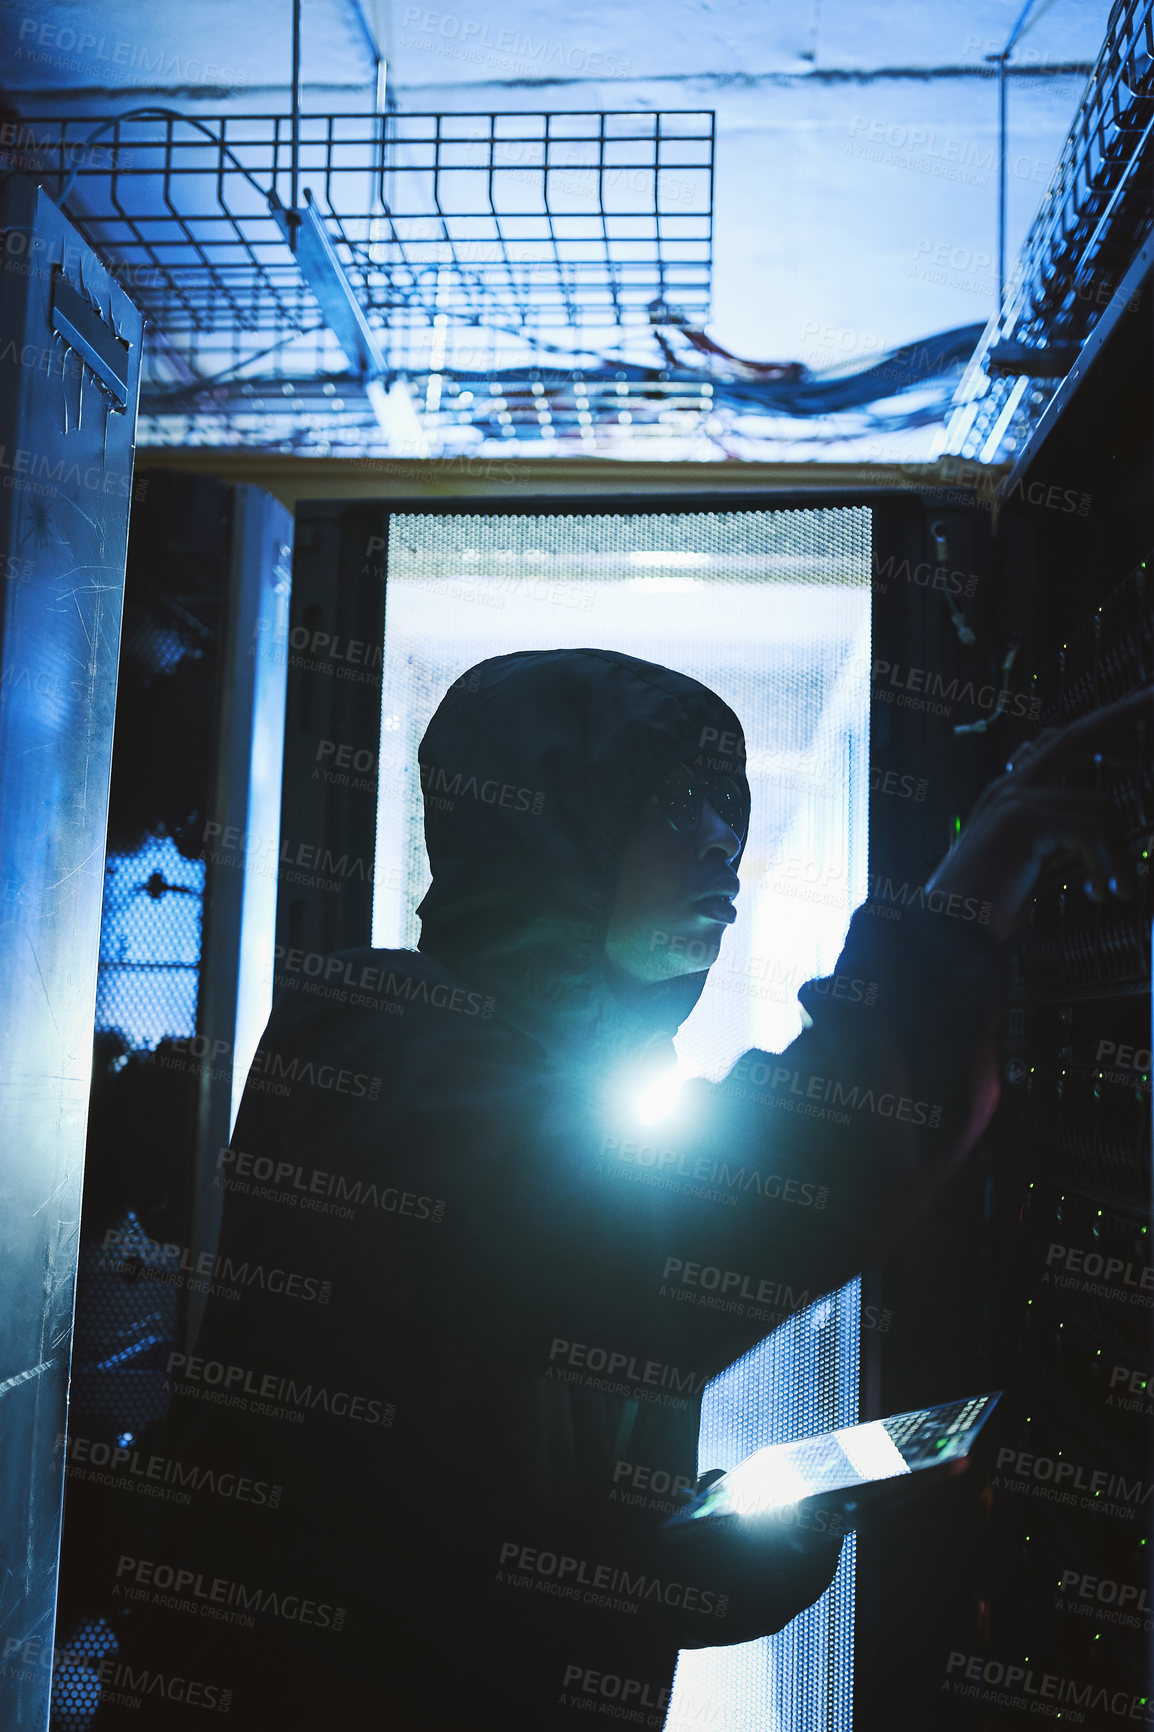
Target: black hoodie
x=463, y=1299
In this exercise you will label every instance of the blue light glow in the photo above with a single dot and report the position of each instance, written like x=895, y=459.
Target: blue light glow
x=657, y=1100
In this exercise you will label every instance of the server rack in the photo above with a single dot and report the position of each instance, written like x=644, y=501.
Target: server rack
x=182, y=992
x=1072, y=1234
x=1030, y=1592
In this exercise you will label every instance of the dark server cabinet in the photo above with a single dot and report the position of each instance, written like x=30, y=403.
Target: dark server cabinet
x=1025, y=1590
x=1070, y=1222
x=181, y=994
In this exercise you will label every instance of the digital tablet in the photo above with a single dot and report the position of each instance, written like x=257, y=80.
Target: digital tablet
x=839, y=1467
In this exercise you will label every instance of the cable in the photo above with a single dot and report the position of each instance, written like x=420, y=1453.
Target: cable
x=889, y=375
x=662, y=315
x=986, y=722
x=965, y=633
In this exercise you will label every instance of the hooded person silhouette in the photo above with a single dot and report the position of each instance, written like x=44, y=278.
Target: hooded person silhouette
x=465, y=1303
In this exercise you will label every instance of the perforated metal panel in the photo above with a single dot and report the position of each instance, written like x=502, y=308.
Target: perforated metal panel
x=801, y=1381
x=150, y=944
x=124, y=1331
x=76, y=1680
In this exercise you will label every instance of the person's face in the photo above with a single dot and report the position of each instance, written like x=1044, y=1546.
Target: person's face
x=674, y=896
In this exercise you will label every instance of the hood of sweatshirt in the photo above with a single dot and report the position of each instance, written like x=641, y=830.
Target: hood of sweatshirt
x=534, y=771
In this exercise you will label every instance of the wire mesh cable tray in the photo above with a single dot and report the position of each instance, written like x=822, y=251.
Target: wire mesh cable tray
x=523, y=219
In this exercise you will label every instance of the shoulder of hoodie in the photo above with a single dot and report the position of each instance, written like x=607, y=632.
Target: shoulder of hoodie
x=402, y=1031
x=391, y=997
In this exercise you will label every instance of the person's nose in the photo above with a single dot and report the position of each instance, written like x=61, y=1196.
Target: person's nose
x=715, y=837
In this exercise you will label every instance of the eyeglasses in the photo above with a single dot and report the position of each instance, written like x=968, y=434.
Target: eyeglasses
x=683, y=792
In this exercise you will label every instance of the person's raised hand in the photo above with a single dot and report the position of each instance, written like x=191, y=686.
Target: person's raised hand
x=1028, y=816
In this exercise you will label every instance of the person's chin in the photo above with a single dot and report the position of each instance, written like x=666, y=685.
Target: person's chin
x=688, y=944
x=700, y=943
